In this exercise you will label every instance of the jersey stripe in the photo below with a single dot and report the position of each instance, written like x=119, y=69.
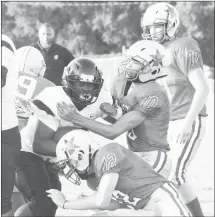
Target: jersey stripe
x=23, y=59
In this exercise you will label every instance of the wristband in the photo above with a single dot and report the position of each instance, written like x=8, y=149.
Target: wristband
x=64, y=203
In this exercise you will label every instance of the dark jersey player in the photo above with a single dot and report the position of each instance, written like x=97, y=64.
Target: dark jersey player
x=142, y=106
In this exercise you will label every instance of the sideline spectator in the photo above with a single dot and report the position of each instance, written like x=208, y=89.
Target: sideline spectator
x=56, y=57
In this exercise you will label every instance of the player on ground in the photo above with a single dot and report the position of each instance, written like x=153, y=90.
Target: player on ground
x=82, y=87
x=11, y=141
x=30, y=65
x=142, y=105
x=188, y=91
x=118, y=176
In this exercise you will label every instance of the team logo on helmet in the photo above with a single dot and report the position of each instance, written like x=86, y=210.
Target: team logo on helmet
x=74, y=152
x=143, y=61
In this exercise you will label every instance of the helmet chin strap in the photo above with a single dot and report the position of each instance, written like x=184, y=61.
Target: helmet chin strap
x=145, y=79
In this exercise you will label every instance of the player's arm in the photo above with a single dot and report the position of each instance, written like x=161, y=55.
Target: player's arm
x=43, y=141
x=199, y=82
x=47, y=125
x=99, y=200
x=123, y=124
x=145, y=106
x=192, y=64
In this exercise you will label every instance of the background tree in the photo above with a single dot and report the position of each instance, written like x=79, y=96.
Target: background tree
x=102, y=27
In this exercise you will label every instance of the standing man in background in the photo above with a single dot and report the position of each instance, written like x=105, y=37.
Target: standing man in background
x=56, y=57
x=11, y=141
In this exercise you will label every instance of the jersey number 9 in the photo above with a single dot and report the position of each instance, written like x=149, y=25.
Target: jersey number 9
x=26, y=87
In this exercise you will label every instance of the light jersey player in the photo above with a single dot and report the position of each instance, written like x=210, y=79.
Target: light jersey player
x=142, y=104
x=30, y=65
x=82, y=87
x=188, y=90
x=120, y=179
x=10, y=136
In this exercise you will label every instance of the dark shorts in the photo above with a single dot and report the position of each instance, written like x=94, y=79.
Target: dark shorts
x=34, y=177
x=11, y=145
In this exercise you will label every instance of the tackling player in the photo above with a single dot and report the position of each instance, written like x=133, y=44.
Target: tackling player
x=11, y=141
x=119, y=178
x=188, y=90
x=142, y=105
x=82, y=86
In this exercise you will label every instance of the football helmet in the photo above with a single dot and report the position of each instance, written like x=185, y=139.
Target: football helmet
x=30, y=61
x=74, y=152
x=143, y=61
x=157, y=15
x=82, y=80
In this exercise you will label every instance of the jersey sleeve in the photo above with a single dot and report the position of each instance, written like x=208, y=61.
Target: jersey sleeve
x=110, y=160
x=29, y=87
x=42, y=83
x=150, y=105
x=117, y=87
x=43, y=99
x=188, y=56
x=44, y=111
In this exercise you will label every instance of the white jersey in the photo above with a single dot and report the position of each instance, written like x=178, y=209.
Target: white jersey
x=9, y=118
x=50, y=96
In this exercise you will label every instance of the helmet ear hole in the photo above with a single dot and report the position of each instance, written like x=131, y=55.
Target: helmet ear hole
x=80, y=157
x=154, y=72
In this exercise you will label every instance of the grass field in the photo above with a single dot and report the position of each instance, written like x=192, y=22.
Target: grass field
x=201, y=170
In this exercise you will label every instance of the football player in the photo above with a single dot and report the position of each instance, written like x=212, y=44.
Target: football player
x=82, y=86
x=188, y=90
x=30, y=65
x=141, y=106
x=119, y=177
x=11, y=141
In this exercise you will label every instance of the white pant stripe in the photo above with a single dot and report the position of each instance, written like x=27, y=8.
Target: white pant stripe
x=174, y=195
x=181, y=162
x=178, y=196
x=161, y=162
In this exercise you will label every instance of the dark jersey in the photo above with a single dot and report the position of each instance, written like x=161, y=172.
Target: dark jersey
x=151, y=99
x=137, y=179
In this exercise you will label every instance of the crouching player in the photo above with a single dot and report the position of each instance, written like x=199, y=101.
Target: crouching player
x=120, y=178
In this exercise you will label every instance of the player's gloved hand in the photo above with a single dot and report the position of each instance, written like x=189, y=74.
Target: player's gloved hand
x=23, y=107
x=108, y=109
x=57, y=197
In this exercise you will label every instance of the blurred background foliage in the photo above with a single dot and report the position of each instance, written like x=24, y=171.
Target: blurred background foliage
x=99, y=28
